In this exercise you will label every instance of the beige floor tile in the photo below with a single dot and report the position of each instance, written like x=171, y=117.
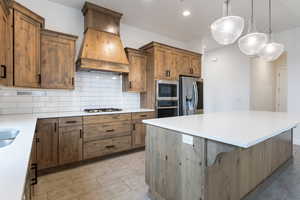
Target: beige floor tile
x=118, y=178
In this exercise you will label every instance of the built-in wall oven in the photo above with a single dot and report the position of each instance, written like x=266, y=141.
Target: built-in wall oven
x=167, y=98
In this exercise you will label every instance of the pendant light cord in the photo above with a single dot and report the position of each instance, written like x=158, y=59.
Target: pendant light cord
x=252, y=13
x=270, y=17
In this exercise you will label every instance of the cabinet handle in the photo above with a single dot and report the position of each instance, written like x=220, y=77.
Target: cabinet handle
x=4, y=71
x=80, y=135
x=191, y=70
x=110, y=146
x=143, y=115
x=55, y=127
x=167, y=73
x=111, y=130
x=37, y=140
x=71, y=122
x=40, y=78
x=130, y=84
x=34, y=167
x=116, y=117
x=133, y=127
x=73, y=81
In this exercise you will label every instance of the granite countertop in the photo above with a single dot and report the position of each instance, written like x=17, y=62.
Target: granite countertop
x=243, y=129
x=14, y=158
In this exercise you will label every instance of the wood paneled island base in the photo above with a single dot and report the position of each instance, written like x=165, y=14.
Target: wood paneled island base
x=181, y=167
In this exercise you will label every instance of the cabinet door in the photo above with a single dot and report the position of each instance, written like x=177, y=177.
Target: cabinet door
x=138, y=134
x=5, y=70
x=70, y=144
x=26, y=51
x=47, y=143
x=174, y=66
x=196, y=65
x=137, y=72
x=57, y=62
x=185, y=62
x=162, y=63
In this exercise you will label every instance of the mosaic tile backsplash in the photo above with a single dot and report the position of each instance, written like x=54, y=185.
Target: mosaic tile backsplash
x=92, y=89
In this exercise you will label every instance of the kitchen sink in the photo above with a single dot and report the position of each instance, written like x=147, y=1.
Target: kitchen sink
x=8, y=134
x=4, y=143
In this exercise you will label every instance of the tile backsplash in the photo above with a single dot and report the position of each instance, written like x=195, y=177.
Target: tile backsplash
x=93, y=89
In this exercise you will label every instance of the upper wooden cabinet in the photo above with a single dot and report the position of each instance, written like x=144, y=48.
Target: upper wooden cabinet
x=169, y=62
x=135, y=81
x=57, y=60
x=26, y=48
x=5, y=67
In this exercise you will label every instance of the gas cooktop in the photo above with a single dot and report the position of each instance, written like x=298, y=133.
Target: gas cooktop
x=98, y=110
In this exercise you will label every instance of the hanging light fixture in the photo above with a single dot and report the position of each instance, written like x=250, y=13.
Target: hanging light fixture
x=227, y=29
x=252, y=43
x=271, y=50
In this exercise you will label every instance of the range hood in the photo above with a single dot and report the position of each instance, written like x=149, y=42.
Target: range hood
x=102, y=48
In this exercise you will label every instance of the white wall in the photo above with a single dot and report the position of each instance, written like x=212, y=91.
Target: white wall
x=226, y=80
x=70, y=20
x=92, y=89
x=291, y=40
x=263, y=85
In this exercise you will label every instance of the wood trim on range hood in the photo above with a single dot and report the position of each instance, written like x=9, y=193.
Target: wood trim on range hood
x=102, y=48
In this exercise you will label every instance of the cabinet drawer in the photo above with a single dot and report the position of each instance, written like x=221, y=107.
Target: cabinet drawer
x=106, y=118
x=143, y=115
x=103, y=147
x=70, y=121
x=107, y=130
x=121, y=143
x=97, y=148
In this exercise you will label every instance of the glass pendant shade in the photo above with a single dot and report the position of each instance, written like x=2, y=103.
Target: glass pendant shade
x=252, y=43
x=271, y=51
x=227, y=30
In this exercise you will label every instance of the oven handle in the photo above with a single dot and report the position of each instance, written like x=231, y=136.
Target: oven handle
x=170, y=107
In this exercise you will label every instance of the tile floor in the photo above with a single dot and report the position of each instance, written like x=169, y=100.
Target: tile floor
x=122, y=178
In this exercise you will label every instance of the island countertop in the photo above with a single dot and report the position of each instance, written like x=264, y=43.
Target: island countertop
x=242, y=128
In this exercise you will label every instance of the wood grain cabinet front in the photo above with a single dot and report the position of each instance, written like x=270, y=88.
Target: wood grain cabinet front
x=5, y=67
x=70, y=144
x=57, y=60
x=139, y=129
x=47, y=143
x=26, y=47
x=135, y=80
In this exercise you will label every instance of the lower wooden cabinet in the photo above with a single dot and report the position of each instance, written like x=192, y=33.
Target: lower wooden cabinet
x=139, y=129
x=61, y=141
x=47, y=143
x=70, y=144
x=138, y=134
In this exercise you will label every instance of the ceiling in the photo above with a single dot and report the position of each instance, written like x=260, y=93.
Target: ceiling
x=165, y=16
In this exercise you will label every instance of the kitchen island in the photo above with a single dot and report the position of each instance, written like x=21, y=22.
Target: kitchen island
x=217, y=156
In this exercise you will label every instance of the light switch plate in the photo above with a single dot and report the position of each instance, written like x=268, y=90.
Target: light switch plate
x=188, y=139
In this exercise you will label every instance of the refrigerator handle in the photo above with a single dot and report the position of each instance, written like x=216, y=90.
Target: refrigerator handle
x=196, y=96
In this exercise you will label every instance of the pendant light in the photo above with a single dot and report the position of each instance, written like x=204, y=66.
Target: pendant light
x=227, y=29
x=252, y=43
x=271, y=50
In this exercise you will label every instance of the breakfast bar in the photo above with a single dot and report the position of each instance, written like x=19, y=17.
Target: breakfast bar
x=216, y=156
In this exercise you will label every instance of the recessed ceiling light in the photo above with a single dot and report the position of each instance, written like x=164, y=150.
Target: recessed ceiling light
x=186, y=13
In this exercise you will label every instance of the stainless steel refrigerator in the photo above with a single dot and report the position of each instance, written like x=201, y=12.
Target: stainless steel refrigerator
x=190, y=95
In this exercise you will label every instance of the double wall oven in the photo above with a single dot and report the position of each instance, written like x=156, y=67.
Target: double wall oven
x=167, y=98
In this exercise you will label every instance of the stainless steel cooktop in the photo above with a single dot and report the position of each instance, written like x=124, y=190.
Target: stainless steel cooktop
x=98, y=110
